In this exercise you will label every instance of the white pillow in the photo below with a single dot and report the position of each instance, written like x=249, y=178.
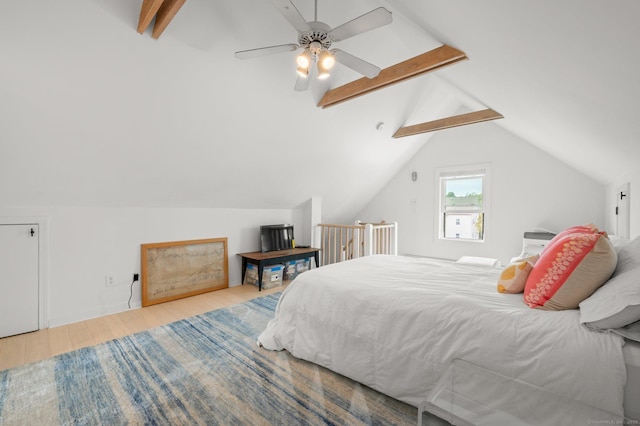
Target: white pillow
x=628, y=256
x=617, y=303
x=479, y=261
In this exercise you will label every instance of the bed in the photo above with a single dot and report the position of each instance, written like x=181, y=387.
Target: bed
x=395, y=323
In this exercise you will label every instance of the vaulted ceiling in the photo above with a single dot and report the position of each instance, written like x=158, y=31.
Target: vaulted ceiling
x=93, y=113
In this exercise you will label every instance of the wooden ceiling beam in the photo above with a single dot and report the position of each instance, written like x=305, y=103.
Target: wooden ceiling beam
x=446, y=123
x=163, y=10
x=166, y=13
x=426, y=62
x=147, y=12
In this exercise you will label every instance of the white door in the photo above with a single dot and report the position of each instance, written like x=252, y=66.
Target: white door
x=18, y=279
x=623, y=211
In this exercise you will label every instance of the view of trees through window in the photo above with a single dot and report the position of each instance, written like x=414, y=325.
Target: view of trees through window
x=462, y=207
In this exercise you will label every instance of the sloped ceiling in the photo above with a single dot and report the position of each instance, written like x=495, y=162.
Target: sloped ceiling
x=93, y=113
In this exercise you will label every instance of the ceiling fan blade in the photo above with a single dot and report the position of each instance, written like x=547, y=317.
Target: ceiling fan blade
x=261, y=51
x=359, y=65
x=369, y=21
x=291, y=14
x=302, y=84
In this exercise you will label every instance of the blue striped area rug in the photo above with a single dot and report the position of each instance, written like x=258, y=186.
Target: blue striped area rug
x=205, y=369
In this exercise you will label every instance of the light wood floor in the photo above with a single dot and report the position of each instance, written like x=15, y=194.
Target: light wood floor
x=38, y=345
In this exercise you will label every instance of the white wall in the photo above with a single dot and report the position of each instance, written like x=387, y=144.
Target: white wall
x=528, y=189
x=86, y=244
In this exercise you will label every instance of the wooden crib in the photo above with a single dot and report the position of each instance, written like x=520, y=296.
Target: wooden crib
x=343, y=242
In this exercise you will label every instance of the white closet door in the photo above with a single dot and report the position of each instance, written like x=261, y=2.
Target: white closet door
x=623, y=211
x=18, y=279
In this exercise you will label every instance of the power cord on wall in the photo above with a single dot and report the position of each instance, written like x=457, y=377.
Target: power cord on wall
x=135, y=278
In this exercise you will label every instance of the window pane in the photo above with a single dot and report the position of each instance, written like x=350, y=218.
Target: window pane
x=463, y=193
x=468, y=226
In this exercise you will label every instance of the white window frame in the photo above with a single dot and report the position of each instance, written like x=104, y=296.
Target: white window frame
x=462, y=171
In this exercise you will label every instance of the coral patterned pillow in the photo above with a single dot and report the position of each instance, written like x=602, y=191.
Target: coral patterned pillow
x=513, y=277
x=570, y=269
x=580, y=229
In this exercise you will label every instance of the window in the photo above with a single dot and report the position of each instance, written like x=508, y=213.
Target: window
x=462, y=204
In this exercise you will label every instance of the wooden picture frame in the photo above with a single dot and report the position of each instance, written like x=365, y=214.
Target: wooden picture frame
x=173, y=270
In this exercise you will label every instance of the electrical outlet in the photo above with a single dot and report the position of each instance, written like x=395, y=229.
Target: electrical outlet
x=109, y=281
x=135, y=277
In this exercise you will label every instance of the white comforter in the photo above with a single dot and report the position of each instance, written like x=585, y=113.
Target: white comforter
x=394, y=323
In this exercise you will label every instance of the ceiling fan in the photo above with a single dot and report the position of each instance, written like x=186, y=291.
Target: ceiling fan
x=315, y=39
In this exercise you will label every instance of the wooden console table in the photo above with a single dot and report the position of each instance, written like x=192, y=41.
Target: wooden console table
x=262, y=259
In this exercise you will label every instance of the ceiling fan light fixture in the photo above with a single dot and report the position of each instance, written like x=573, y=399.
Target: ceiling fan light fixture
x=304, y=59
x=315, y=47
x=323, y=73
x=303, y=72
x=326, y=59
x=325, y=62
